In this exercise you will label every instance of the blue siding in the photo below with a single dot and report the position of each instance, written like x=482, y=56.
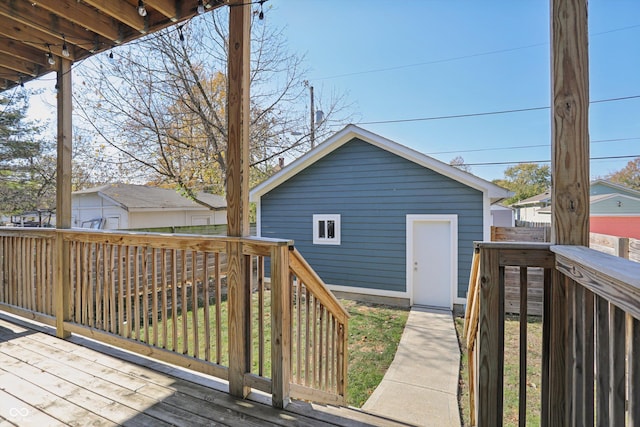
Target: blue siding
x=373, y=190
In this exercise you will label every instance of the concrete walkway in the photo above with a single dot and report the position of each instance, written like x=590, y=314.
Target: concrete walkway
x=421, y=386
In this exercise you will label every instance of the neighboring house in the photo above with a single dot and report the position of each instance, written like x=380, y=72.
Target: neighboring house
x=375, y=217
x=535, y=209
x=502, y=216
x=615, y=210
x=128, y=206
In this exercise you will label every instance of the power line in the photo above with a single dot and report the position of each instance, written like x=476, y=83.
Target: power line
x=486, y=113
x=458, y=58
x=518, y=147
x=546, y=161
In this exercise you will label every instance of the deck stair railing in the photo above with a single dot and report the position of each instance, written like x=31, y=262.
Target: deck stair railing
x=590, y=368
x=166, y=296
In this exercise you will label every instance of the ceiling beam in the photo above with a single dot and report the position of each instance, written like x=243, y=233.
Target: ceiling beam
x=84, y=16
x=20, y=66
x=122, y=11
x=169, y=8
x=33, y=37
x=11, y=75
x=21, y=51
x=43, y=21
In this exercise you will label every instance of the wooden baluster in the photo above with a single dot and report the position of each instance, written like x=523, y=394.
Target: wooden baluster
x=144, y=294
x=113, y=277
x=218, y=282
x=205, y=307
x=261, y=323
x=136, y=291
x=321, y=343
x=174, y=300
x=327, y=361
x=120, y=262
x=633, y=386
x=184, y=302
x=582, y=390
x=154, y=294
x=164, y=288
x=522, y=393
x=299, y=347
x=280, y=326
x=307, y=338
x=98, y=286
x=617, y=365
x=194, y=303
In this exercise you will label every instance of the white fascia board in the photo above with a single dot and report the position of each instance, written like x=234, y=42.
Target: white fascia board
x=161, y=209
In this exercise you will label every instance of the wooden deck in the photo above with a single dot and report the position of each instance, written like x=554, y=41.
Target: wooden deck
x=46, y=381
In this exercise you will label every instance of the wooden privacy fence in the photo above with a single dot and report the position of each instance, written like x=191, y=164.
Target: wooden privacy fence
x=166, y=296
x=590, y=334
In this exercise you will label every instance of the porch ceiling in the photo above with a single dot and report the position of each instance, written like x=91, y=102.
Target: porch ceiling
x=31, y=29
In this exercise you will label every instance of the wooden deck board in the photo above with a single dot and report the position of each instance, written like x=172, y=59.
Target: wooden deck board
x=82, y=382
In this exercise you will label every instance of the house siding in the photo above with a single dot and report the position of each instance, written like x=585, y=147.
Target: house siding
x=373, y=190
x=610, y=206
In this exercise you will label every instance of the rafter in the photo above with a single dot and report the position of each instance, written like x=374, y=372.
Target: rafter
x=170, y=8
x=29, y=29
x=20, y=66
x=20, y=51
x=32, y=37
x=85, y=16
x=44, y=22
x=123, y=11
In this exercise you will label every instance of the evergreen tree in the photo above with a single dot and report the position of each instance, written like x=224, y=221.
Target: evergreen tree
x=27, y=166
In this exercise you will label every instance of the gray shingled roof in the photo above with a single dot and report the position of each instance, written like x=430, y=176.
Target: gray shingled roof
x=132, y=196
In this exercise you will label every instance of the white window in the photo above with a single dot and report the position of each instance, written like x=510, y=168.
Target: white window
x=326, y=229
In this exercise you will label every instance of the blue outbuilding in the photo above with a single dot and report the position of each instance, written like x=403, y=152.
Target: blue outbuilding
x=376, y=218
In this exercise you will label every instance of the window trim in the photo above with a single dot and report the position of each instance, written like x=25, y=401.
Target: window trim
x=317, y=240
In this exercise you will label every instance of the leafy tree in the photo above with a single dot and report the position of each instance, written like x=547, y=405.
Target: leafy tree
x=162, y=104
x=27, y=162
x=628, y=175
x=525, y=180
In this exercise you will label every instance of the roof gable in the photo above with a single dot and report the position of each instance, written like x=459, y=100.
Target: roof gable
x=601, y=186
x=351, y=132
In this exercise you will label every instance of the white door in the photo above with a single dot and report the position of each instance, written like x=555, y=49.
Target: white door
x=432, y=259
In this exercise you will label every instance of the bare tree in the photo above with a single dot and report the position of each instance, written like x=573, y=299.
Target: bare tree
x=163, y=103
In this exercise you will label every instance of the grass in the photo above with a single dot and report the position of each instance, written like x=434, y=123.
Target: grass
x=511, y=370
x=374, y=334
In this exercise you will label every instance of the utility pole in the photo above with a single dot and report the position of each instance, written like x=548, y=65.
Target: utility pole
x=313, y=118
x=312, y=134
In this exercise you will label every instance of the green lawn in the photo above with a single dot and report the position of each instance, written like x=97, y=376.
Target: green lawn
x=374, y=334
x=511, y=367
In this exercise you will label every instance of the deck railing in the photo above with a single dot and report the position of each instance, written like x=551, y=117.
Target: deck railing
x=590, y=335
x=27, y=273
x=166, y=296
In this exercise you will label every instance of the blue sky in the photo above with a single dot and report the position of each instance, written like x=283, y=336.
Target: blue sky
x=407, y=59
x=430, y=58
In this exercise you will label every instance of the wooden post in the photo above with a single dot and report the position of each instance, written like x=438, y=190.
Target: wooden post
x=570, y=182
x=280, y=326
x=63, y=197
x=238, y=193
x=491, y=341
